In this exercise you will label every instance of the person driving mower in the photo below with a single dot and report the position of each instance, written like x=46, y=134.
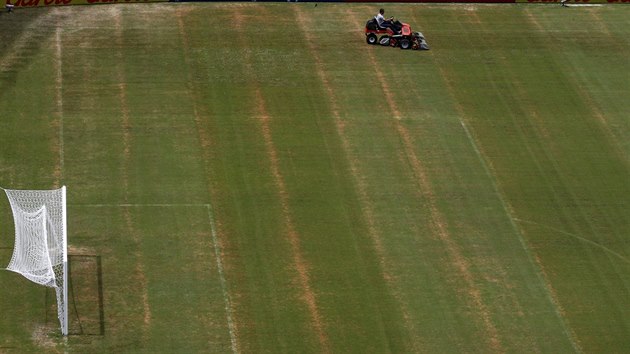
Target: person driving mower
x=381, y=21
x=387, y=23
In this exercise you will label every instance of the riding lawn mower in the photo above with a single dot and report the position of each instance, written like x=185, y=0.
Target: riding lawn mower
x=398, y=34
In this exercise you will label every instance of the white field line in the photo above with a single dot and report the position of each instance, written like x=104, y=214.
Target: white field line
x=510, y=215
x=593, y=243
x=226, y=295
x=158, y=205
x=519, y=233
x=215, y=246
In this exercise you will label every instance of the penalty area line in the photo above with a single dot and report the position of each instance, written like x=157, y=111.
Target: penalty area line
x=513, y=221
x=215, y=246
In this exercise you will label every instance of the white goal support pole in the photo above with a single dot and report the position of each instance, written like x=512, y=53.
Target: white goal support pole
x=64, y=212
x=40, y=253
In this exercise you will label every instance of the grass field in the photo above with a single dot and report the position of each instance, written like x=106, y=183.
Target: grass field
x=255, y=178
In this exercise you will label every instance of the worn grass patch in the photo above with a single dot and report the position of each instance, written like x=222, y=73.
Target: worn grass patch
x=248, y=177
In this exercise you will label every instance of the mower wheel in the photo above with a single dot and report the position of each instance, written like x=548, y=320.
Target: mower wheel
x=415, y=45
x=371, y=38
x=405, y=44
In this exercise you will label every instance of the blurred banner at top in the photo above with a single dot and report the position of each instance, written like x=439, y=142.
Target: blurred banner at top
x=37, y=3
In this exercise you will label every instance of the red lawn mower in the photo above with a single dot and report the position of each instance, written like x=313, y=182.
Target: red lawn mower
x=398, y=34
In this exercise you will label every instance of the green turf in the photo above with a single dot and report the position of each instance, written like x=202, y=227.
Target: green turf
x=256, y=178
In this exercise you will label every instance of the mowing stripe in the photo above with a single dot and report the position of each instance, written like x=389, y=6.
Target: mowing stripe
x=12, y=60
x=140, y=205
x=533, y=259
x=294, y=237
x=489, y=170
x=437, y=219
x=139, y=272
x=205, y=142
x=58, y=63
x=585, y=96
x=107, y=205
x=359, y=182
x=301, y=265
x=13, y=57
x=615, y=144
x=126, y=127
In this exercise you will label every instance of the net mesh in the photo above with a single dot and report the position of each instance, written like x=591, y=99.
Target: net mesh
x=40, y=253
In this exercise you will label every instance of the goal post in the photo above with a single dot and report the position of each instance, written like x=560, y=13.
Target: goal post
x=40, y=253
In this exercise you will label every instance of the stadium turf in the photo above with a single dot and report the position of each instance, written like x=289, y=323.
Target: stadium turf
x=248, y=177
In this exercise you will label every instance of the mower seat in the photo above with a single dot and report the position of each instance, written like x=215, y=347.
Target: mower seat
x=372, y=25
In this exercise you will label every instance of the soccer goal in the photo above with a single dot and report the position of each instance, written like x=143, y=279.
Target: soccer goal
x=40, y=252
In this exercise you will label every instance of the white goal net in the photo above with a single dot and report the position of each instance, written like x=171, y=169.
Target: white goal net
x=40, y=251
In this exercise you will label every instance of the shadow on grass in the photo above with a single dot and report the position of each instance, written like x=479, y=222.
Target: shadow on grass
x=86, y=315
x=16, y=55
